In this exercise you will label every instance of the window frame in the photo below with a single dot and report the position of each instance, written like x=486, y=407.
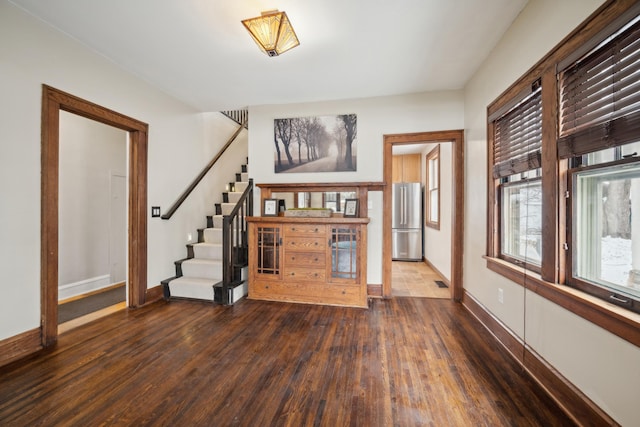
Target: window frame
x=501, y=254
x=433, y=155
x=599, y=291
x=550, y=282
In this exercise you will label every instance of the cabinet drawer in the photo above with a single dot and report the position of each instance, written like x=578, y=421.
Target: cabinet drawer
x=305, y=243
x=306, y=274
x=309, y=259
x=304, y=230
x=309, y=292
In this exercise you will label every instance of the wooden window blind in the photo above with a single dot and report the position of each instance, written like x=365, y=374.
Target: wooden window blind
x=600, y=96
x=518, y=136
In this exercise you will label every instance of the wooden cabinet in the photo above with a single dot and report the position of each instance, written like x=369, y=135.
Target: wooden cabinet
x=308, y=260
x=407, y=168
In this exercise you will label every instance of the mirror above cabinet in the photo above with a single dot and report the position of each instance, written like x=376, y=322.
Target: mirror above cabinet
x=326, y=195
x=334, y=200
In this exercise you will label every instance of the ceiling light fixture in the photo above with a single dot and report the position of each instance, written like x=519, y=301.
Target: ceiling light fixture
x=273, y=32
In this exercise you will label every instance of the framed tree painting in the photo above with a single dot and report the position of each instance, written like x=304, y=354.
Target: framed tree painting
x=316, y=144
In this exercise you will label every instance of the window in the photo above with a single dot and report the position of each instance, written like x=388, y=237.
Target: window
x=605, y=243
x=433, y=188
x=564, y=172
x=600, y=107
x=520, y=228
x=517, y=159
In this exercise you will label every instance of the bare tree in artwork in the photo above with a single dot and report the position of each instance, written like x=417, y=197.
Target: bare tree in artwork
x=284, y=133
x=298, y=126
x=350, y=125
x=275, y=141
x=340, y=136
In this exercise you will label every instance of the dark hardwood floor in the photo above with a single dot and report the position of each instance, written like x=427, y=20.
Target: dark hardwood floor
x=403, y=362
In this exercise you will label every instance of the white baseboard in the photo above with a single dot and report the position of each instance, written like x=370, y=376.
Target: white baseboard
x=83, y=286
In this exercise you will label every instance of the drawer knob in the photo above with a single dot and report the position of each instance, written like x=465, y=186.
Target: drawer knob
x=266, y=287
x=344, y=292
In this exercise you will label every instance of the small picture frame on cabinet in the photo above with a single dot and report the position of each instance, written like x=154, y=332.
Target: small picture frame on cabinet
x=351, y=208
x=270, y=207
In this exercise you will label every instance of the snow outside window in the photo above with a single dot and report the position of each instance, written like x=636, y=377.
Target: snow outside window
x=606, y=228
x=521, y=214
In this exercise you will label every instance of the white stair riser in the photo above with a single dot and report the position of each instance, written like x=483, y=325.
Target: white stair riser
x=188, y=289
x=239, y=292
x=227, y=208
x=213, y=235
x=217, y=221
x=239, y=187
x=245, y=176
x=205, y=269
x=234, y=197
x=208, y=251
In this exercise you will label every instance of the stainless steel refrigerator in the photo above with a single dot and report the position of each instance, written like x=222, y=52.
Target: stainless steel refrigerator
x=407, y=221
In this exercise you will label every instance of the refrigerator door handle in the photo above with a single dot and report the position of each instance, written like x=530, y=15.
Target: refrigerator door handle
x=401, y=205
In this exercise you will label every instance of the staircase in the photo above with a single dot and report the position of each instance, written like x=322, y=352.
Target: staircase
x=216, y=267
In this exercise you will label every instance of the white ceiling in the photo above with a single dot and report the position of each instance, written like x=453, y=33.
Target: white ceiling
x=199, y=52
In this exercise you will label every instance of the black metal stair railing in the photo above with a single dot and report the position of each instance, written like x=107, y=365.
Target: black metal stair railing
x=235, y=246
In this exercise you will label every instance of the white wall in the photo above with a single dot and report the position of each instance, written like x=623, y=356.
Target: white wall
x=602, y=365
x=89, y=153
x=181, y=142
x=376, y=117
x=437, y=248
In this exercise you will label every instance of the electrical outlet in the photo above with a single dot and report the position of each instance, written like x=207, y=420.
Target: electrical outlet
x=501, y=295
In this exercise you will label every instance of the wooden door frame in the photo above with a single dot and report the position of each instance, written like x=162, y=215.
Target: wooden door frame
x=54, y=101
x=455, y=137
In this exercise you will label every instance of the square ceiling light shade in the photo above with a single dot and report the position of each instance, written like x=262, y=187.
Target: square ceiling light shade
x=273, y=32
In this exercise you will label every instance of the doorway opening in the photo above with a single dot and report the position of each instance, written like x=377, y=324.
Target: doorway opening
x=456, y=139
x=421, y=220
x=53, y=102
x=92, y=220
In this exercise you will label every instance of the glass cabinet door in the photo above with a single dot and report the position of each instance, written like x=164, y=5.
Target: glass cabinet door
x=344, y=253
x=269, y=240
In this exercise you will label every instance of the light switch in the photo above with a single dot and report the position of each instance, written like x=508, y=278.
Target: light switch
x=155, y=211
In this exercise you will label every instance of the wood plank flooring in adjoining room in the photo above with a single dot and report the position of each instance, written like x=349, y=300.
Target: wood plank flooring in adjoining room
x=402, y=362
x=416, y=279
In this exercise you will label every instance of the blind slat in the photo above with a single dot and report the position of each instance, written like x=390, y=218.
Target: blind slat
x=619, y=131
x=518, y=137
x=600, y=96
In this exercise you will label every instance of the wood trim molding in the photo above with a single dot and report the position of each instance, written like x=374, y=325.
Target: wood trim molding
x=577, y=406
x=455, y=137
x=54, y=101
x=153, y=294
x=374, y=291
x=19, y=346
x=434, y=268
